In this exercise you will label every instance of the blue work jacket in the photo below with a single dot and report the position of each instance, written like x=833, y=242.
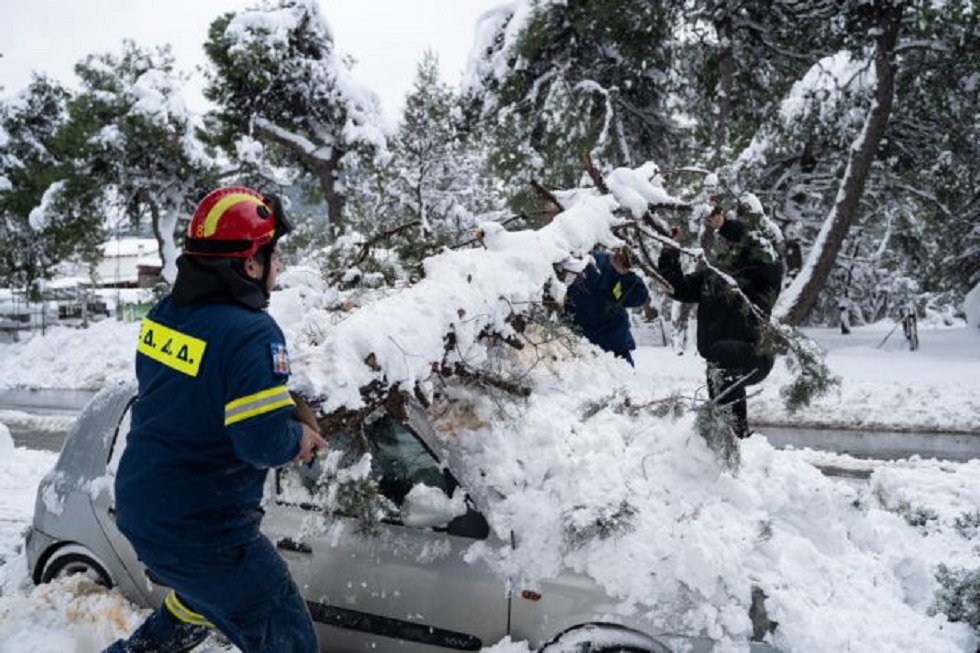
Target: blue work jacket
x=212, y=415
x=598, y=299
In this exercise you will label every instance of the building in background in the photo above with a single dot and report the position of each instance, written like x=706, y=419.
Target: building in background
x=128, y=263
x=119, y=285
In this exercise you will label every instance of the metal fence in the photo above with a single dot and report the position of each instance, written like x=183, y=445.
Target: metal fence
x=20, y=318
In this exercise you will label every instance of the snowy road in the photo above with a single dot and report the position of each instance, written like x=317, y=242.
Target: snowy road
x=879, y=445
x=40, y=419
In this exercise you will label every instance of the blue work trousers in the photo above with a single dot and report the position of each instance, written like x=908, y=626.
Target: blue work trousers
x=245, y=591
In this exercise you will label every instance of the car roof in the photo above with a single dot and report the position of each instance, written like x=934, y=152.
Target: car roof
x=86, y=449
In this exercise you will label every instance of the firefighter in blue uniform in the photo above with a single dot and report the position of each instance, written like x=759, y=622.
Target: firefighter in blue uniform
x=599, y=297
x=213, y=414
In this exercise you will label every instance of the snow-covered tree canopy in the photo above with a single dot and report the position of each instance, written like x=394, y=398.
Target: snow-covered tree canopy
x=142, y=157
x=37, y=230
x=275, y=75
x=787, y=91
x=468, y=300
x=430, y=191
x=550, y=79
x=472, y=301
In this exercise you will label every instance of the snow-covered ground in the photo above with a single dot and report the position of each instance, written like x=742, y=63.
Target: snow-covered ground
x=843, y=564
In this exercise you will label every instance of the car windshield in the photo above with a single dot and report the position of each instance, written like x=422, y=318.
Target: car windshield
x=384, y=458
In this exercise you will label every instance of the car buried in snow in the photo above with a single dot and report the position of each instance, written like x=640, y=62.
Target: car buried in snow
x=401, y=583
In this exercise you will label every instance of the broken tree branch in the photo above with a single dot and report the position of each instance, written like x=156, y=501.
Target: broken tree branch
x=594, y=173
x=369, y=245
x=547, y=195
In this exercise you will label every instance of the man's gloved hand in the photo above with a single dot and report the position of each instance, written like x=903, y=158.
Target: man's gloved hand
x=622, y=260
x=310, y=441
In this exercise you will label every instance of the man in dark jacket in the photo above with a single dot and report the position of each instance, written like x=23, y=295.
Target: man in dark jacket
x=598, y=300
x=728, y=331
x=213, y=414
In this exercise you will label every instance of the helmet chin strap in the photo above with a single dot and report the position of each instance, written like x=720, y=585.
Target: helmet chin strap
x=266, y=253
x=264, y=257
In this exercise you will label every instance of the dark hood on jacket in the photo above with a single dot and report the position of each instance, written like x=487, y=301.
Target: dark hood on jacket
x=203, y=280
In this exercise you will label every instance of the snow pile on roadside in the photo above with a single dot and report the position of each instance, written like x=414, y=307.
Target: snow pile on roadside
x=66, y=615
x=6, y=442
x=886, y=386
x=640, y=504
x=36, y=423
x=72, y=615
x=20, y=472
x=70, y=358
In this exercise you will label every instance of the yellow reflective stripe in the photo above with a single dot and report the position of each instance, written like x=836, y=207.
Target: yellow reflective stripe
x=257, y=404
x=618, y=290
x=222, y=205
x=182, y=612
x=171, y=347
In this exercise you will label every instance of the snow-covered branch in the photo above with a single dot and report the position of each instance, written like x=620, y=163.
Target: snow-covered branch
x=464, y=295
x=297, y=143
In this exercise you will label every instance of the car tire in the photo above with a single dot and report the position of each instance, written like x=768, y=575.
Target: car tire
x=75, y=559
x=595, y=638
x=611, y=648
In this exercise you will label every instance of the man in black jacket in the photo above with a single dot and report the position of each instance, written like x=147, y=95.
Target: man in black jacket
x=728, y=331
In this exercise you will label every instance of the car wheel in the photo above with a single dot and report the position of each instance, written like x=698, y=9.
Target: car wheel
x=612, y=648
x=74, y=559
x=603, y=639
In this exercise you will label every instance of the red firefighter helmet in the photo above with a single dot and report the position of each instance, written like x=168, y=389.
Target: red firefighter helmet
x=235, y=222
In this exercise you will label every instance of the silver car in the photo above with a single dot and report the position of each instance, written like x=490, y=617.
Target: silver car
x=380, y=570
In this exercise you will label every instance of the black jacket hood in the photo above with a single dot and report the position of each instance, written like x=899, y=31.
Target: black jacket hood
x=203, y=280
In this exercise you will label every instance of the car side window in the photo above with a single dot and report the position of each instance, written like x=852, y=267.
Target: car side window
x=400, y=465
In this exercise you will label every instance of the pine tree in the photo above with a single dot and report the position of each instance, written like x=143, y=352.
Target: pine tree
x=35, y=233
x=437, y=179
x=431, y=189
x=885, y=248
x=275, y=78
x=135, y=144
x=575, y=76
x=733, y=57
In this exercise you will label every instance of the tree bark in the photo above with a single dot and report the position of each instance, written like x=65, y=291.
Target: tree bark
x=143, y=196
x=157, y=231
x=803, y=291
x=726, y=86
x=336, y=201
x=310, y=155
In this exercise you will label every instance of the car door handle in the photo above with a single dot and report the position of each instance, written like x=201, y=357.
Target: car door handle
x=289, y=544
